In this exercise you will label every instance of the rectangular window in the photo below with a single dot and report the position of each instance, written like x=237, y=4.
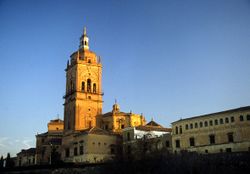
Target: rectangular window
x=241, y=118
x=128, y=136
x=67, y=152
x=230, y=137
x=211, y=123
x=232, y=119
x=177, y=143
x=196, y=125
x=112, y=150
x=167, y=143
x=81, y=150
x=212, y=139
x=75, y=151
x=186, y=126
x=248, y=117
x=191, y=141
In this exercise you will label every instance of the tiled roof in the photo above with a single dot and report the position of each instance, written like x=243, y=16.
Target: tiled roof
x=108, y=114
x=153, y=126
x=94, y=130
x=27, y=151
x=246, y=108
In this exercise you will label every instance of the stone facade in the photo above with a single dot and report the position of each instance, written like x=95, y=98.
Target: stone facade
x=83, y=98
x=87, y=135
x=143, y=140
x=91, y=146
x=48, y=144
x=26, y=157
x=83, y=111
x=226, y=131
x=116, y=120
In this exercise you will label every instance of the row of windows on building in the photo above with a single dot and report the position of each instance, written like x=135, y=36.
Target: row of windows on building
x=210, y=123
x=211, y=139
x=81, y=148
x=91, y=88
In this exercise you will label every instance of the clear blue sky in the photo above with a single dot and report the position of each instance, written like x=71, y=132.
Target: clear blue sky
x=167, y=59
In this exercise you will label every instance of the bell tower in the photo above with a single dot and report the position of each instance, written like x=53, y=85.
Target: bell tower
x=83, y=96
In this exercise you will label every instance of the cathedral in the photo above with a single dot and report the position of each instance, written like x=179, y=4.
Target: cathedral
x=86, y=134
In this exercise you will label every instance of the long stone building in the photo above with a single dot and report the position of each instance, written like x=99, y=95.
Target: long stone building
x=226, y=131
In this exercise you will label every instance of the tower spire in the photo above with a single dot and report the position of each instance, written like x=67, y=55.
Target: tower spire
x=85, y=31
x=84, y=40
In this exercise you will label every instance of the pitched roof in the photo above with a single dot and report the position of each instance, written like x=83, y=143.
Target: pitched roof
x=94, y=130
x=246, y=108
x=153, y=123
x=153, y=126
x=27, y=151
x=108, y=114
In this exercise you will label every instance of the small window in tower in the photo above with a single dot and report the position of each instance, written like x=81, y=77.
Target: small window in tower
x=85, y=43
x=90, y=124
x=89, y=61
x=88, y=85
x=94, y=88
x=83, y=86
x=122, y=126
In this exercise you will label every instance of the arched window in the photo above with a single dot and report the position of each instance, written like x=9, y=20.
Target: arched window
x=176, y=130
x=88, y=85
x=206, y=124
x=83, y=86
x=94, y=88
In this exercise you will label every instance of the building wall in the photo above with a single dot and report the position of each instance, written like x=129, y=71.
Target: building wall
x=45, y=145
x=229, y=132
x=138, y=143
x=25, y=159
x=117, y=122
x=95, y=148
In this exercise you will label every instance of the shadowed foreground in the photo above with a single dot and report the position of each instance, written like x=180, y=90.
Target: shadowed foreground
x=187, y=163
